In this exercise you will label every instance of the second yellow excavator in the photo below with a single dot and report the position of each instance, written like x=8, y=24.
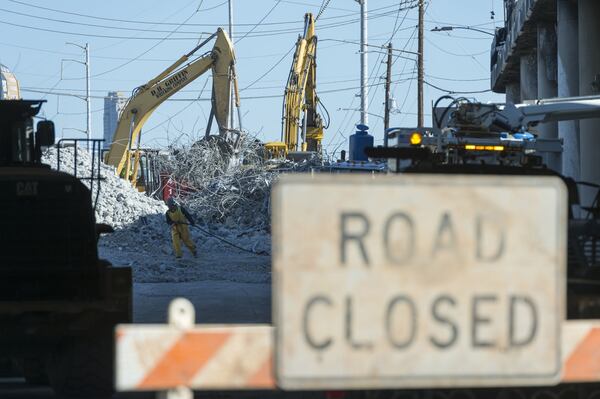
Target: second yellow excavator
x=302, y=125
x=146, y=98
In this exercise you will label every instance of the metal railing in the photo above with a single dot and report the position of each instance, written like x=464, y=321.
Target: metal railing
x=94, y=177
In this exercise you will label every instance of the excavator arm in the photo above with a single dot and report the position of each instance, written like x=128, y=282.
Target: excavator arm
x=302, y=126
x=148, y=97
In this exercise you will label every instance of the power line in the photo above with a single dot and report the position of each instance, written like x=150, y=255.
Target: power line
x=350, y=13
x=155, y=23
x=65, y=94
x=456, y=92
x=92, y=35
x=456, y=54
x=270, y=69
x=110, y=19
x=458, y=80
x=91, y=25
x=151, y=48
x=259, y=22
x=252, y=33
x=76, y=90
x=322, y=9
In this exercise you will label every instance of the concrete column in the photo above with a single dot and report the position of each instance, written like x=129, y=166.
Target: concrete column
x=528, y=77
x=546, y=87
x=568, y=82
x=589, y=68
x=513, y=93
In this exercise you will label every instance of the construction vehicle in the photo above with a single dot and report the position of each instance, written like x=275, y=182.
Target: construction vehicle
x=302, y=125
x=492, y=139
x=59, y=302
x=124, y=152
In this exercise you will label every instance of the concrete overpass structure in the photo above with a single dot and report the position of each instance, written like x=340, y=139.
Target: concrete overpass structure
x=550, y=48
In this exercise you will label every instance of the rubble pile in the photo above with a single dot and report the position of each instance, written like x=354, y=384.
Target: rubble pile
x=118, y=203
x=220, y=187
x=142, y=238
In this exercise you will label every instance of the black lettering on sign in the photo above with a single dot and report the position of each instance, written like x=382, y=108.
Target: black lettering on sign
x=527, y=305
x=445, y=238
x=350, y=328
x=399, y=228
x=492, y=249
x=479, y=320
x=443, y=319
x=310, y=340
x=396, y=342
x=355, y=234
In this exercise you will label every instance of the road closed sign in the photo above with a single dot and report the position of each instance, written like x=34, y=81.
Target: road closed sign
x=418, y=280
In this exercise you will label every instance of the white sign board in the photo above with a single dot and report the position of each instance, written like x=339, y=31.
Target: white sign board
x=418, y=280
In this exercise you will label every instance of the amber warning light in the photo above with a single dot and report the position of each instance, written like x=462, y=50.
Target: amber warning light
x=473, y=147
x=416, y=138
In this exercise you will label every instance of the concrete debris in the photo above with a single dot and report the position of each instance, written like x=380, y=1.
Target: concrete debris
x=219, y=187
x=118, y=204
x=142, y=239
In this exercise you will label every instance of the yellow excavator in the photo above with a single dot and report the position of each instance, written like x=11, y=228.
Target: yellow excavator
x=302, y=126
x=146, y=98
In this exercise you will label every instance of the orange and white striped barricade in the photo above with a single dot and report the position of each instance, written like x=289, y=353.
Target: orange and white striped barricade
x=180, y=356
x=581, y=351
x=176, y=357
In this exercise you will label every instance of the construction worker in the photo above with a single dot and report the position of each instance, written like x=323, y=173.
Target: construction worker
x=179, y=218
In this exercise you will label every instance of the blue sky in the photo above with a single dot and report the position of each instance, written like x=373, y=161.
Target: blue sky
x=128, y=48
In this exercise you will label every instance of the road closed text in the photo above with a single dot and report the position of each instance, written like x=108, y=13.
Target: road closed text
x=479, y=319
x=484, y=321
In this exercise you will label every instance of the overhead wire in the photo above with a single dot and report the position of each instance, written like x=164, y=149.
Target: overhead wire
x=457, y=79
x=269, y=70
x=151, y=48
x=456, y=91
x=173, y=23
x=49, y=92
x=110, y=19
x=394, y=31
x=428, y=12
x=89, y=24
x=259, y=22
x=455, y=54
x=250, y=33
x=324, y=5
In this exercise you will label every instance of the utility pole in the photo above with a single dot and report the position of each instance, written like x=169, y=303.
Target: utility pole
x=231, y=102
x=364, y=64
x=388, y=82
x=87, y=92
x=420, y=72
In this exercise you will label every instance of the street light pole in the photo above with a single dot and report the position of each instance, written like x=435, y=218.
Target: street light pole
x=449, y=28
x=88, y=97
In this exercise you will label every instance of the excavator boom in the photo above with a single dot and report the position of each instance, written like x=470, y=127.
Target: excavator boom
x=302, y=126
x=148, y=97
